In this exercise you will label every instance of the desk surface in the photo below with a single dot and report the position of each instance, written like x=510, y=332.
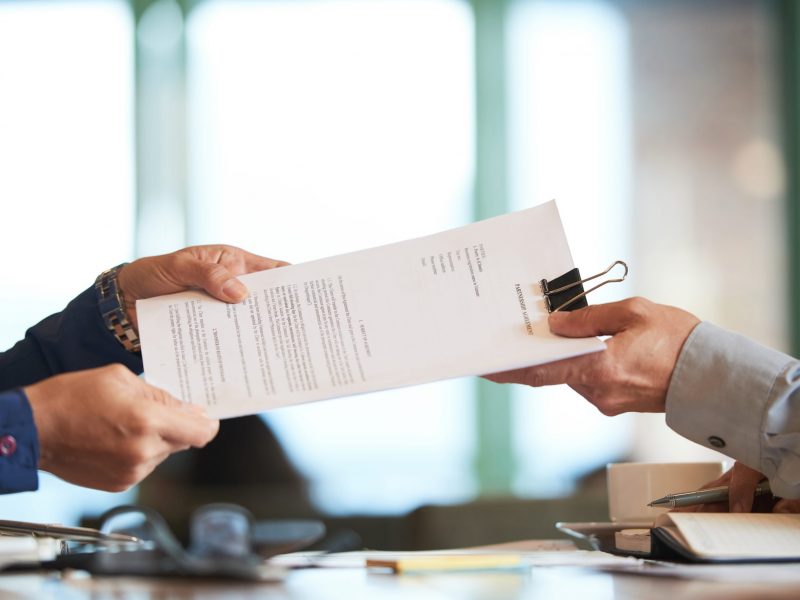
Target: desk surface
x=353, y=584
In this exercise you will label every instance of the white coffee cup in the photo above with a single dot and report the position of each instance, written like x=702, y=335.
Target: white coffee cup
x=632, y=485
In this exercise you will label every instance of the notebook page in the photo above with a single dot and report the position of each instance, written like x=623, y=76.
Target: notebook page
x=737, y=535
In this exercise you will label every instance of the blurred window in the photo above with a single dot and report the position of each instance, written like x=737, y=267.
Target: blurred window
x=570, y=139
x=66, y=179
x=707, y=174
x=318, y=128
x=655, y=125
x=306, y=128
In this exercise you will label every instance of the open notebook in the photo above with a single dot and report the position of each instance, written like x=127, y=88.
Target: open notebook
x=717, y=537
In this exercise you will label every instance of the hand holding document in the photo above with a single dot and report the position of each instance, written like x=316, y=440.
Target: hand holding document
x=461, y=302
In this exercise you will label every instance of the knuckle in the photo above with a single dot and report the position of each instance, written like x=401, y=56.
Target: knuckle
x=127, y=478
x=585, y=314
x=638, y=306
x=600, y=401
x=536, y=377
x=117, y=370
x=210, y=434
x=614, y=373
x=587, y=378
x=175, y=262
x=123, y=477
x=606, y=403
x=228, y=249
x=140, y=473
x=609, y=410
x=141, y=422
x=120, y=485
x=594, y=372
x=134, y=456
x=216, y=273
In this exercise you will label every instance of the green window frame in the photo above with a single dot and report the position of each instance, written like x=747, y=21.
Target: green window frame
x=494, y=464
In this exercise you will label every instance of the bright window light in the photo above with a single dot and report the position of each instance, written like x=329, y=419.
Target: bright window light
x=66, y=180
x=569, y=119
x=318, y=128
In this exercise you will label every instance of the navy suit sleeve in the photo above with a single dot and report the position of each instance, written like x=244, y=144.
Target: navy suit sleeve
x=19, y=445
x=71, y=340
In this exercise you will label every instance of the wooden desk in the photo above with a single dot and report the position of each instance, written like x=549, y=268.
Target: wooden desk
x=560, y=583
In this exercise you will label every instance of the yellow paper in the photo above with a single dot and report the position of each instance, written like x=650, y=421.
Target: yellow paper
x=448, y=563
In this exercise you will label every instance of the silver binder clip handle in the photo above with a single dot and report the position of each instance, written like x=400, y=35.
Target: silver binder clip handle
x=547, y=291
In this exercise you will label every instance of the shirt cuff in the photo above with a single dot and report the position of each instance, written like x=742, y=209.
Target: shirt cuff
x=722, y=385
x=19, y=444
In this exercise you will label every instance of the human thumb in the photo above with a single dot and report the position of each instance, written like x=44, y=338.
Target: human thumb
x=214, y=278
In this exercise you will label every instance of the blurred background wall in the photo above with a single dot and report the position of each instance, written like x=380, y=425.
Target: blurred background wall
x=304, y=128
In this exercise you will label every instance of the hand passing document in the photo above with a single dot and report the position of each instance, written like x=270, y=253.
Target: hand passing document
x=461, y=302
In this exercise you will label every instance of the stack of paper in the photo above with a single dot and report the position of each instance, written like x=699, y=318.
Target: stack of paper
x=462, y=302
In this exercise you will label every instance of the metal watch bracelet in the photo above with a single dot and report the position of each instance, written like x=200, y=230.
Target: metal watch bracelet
x=112, y=309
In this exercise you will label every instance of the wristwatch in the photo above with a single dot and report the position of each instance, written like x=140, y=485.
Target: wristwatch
x=112, y=309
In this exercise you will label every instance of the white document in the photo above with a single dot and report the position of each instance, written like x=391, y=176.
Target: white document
x=462, y=302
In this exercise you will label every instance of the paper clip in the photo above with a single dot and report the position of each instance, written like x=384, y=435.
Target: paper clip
x=553, y=296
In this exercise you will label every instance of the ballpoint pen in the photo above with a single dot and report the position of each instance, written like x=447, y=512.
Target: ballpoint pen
x=715, y=494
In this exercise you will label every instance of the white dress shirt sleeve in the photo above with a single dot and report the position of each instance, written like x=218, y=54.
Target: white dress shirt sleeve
x=734, y=395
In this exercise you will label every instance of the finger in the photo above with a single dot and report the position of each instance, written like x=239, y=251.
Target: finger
x=724, y=479
x=166, y=399
x=215, y=278
x=742, y=488
x=181, y=428
x=709, y=507
x=145, y=469
x=713, y=507
x=238, y=261
x=250, y=263
x=562, y=371
x=180, y=424
x=158, y=395
x=787, y=506
x=214, y=269
x=599, y=319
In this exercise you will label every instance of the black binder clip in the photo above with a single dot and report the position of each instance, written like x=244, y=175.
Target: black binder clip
x=567, y=290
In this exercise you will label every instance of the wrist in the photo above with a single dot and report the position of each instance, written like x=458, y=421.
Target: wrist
x=118, y=319
x=19, y=443
x=36, y=399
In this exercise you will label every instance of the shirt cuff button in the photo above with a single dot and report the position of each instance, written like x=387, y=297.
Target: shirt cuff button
x=8, y=445
x=716, y=441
